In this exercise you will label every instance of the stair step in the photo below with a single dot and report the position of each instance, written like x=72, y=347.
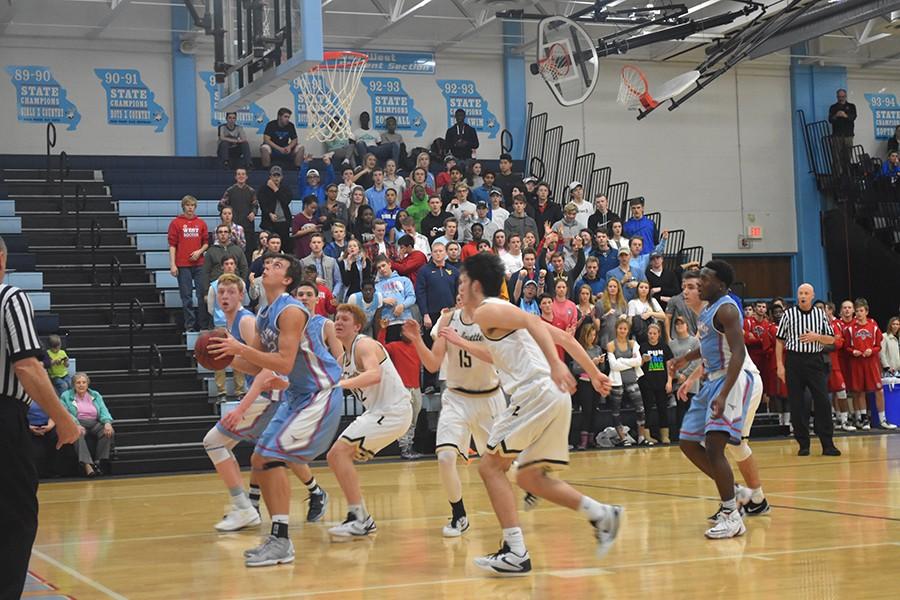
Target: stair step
x=50, y=237
x=42, y=188
x=107, y=335
x=82, y=275
x=84, y=315
x=39, y=175
x=52, y=203
x=62, y=295
x=56, y=255
x=191, y=404
x=106, y=220
x=116, y=357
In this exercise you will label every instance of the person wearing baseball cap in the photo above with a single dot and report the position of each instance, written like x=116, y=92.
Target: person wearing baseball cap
x=583, y=207
x=482, y=218
x=525, y=296
x=626, y=275
x=310, y=182
x=275, y=205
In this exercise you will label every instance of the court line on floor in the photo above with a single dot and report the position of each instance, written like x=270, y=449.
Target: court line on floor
x=77, y=575
x=766, y=556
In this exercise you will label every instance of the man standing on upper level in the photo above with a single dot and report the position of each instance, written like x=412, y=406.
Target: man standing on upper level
x=462, y=139
x=841, y=115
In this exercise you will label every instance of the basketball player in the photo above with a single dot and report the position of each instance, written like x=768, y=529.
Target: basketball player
x=837, y=384
x=309, y=413
x=374, y=382
x=723, y=411
x=535, y=426
x=469, y=404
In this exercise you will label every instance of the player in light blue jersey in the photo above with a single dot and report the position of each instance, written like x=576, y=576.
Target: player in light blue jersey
x=306, y=420
x=721, y=414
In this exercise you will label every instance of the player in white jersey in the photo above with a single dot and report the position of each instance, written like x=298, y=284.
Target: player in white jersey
x=535, y=426
x=372, y=378
x=469, y=404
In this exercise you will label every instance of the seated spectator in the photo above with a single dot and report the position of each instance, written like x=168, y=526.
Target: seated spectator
x=371, y=142
x=261, y=245
x=369, y=301
x=592, y=277
x=656, y=384
x=219, y=320
x=616, y=241
x=188, y=240
x=326, y=305
x=338, y=242
x=391, y=179
x=640, y=226
x=585, y=398
x=304, y=225
x=626, y=275
x=397, y=296
x=447, y=176
x=389, y=212
x=602, y=216
x=623, y=355
x=498, y=213
x=664, y=282
x=518, y=223
x=355, y=267
x=342, y=151
x=890, y=169
x=234, y=149
x=506, y=180
x=325, y=267
x=487, y=225
x=280, y=141
x=409, y=260
x=432, y=225
x=256, y=291
x=512, y=258
x=50, y=461
x=275, y=205
x=482, y=193
x=474, y=175
x=375, y=195
x=423, y=161
x=364, y=175
x=390, y=136
x=87, y=406
x=610, y=306
x=310, y=183
x=59, y=365
x=546, y=212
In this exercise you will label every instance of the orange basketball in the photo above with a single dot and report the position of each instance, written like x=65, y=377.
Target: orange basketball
x=204, y=357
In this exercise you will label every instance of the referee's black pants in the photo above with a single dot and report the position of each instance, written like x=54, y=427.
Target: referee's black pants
x=18, y=497
x=809, y=371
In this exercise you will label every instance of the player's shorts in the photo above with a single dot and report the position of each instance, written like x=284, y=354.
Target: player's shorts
x=255, y=420
x=468, y=415
x=836, y=384
x=534, y=427
x=303, y=427
x=737, y=418
x=374, y=430
x=865, y=374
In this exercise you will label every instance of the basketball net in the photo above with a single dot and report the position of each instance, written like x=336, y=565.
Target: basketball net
x=328, y=90
x=556, y=65
x=634, y=92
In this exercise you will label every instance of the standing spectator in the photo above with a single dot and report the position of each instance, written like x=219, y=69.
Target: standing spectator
x=448, y=178
x=89, y=409
x=333, y=212
x=397, y=296
x=487, y=225
x=519, y=223
x=568, y=227
x=59, y=365
x=624, y=359
x=451, y=231
x=678, y=308
x=474, y=175
x=592, y=277
x=841, y=115
x=355, y=267
x=24, y=381
x=338, y=242
x=187, y=238
x=256, y=291
x=280, y=141
x=345, y=188
x=483, y=191
x=546, y=212
x=513, y=259
x=863, y=344
x=803, y=332
x=462, y=208
x=261, y=246
x=363, y=176
x=233, y=143
x=663, y=282
x=602, y=216
x=604, y=253
x=626, y=275
x=656, y=384
x=432, y=225
x=565, y=313
x=454, y=252
x=213, y=264
x=392, y=180
x=419, y=177
x=275, y=205
x=229, y=267
x=436, y=286
x=409, y=260
x=615, y=235
x=506, y=180
x=583, y=208
x=417, y=207
x=369, y=141
x=499, y=214
x=641, y=227
x=526, y=296
x=379, y=243
x=471, y=248
x=309, y=182
x=236, y=233
x=375, y=195
x=461, y=138
x=357, y=202
x=890, y=348
x=303, y=225
x=390, y=212
x=680, y=344
x=369, y=301
x=585, y=398
x=364, y=228
x=408, y=226
x=242, y=200
x=610, y=307
x=326, y=305
x=326, y=268
x=644, y=311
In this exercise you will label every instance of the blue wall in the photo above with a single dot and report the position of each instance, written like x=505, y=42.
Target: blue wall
x=514, y=104
x=184, y=88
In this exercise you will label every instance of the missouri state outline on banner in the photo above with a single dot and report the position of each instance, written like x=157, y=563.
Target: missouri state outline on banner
x=40, y=98
x=129, y=101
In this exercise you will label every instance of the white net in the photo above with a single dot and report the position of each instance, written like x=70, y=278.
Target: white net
x=633, y=92
x=328, y=91
x=557, y=66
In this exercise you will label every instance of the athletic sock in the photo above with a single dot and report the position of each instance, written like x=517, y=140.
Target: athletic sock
x=254, y=496
x=239, y=498
x=758, y=495
x=843, y=418
x=729, y=505
x=590, y=508
x=459, y=509
x=359, y=511
x=280, y=526
x=313, y=486
x=515, y=540
x=882, y=418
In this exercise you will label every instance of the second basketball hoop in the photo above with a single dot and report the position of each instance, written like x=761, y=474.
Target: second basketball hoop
x=635, y=93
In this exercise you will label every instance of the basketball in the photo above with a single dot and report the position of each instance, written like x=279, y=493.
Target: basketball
x=205, y=358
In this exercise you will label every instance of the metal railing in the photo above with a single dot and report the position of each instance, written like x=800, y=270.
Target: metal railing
x=80, y=205
x=115, y=280
x=51, y=143
x=134, y=326
x=156, y=370
x=63, y=171
x=96, y=239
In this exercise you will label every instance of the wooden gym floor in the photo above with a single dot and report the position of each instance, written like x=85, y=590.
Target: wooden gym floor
x=834, y=532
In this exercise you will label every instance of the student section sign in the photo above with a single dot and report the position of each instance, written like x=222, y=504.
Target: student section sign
x=40, y=98
x=129, y=101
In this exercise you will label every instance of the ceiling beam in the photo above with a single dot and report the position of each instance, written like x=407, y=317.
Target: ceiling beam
x=116, y=8
x=399, y=12
x=8, y=9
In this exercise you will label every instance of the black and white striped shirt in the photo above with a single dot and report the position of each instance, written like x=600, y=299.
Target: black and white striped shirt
x=18, y=339
x=796, y=322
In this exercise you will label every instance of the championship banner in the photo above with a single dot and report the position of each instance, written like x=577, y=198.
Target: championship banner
x=250, y=116
x=885, y=114
x=129, y=101
x=389, y=99
x=462, y=93
x=40, y=98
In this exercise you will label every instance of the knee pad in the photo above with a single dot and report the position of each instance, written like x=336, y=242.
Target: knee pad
x=274, y=464
x=217, y=446
x=741, y=452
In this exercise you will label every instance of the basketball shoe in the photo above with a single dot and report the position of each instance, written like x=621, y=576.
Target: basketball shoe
x=607, y=528
x=238, y=518
x=353, y=529
x=505, y=562
x=729, y=525
x=317, y=504
x=456, y=527
x=274, y=551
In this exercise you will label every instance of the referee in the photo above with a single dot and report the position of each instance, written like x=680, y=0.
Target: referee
x=22, y=378
x=804, y=331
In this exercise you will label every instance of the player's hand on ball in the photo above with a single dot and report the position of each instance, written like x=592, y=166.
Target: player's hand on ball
x=225, y=346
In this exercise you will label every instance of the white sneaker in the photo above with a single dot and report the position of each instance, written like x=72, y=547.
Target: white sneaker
x=607, y=528
x=847, y=426
x=505, y=562
x=238, y=518
x=742, y=495
x=456, y=527
x=353, y=529
x=729, y=525
x=886, y=425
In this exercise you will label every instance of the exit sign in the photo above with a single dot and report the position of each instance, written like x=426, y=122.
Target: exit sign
x=755, y=232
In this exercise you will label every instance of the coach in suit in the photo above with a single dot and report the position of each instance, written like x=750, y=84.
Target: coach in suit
x=802, y=335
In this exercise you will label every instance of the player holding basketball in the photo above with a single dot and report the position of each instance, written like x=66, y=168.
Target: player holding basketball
x=374, y=382
x=469, y=404
x=722, y=413
x=309, y=413
x=535, y=426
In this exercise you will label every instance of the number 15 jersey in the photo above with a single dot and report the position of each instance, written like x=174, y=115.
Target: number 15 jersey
x=464, y=371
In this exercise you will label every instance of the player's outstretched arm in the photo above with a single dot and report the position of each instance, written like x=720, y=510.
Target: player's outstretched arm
x=369, y=363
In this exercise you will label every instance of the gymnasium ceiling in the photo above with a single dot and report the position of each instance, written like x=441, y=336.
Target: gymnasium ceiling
x=458, y=26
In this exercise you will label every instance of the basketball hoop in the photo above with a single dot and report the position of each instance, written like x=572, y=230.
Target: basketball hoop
x=566, y=60
x=557, y=63
x=634, y=92
x=328, y=90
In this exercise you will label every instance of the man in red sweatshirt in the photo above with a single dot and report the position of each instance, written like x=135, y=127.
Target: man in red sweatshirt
x=404, y=356
x=188, y=241
x=410, y=261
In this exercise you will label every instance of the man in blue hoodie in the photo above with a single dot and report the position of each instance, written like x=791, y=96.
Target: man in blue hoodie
x=640, y=226
x=309, y=182
x=397, y=295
